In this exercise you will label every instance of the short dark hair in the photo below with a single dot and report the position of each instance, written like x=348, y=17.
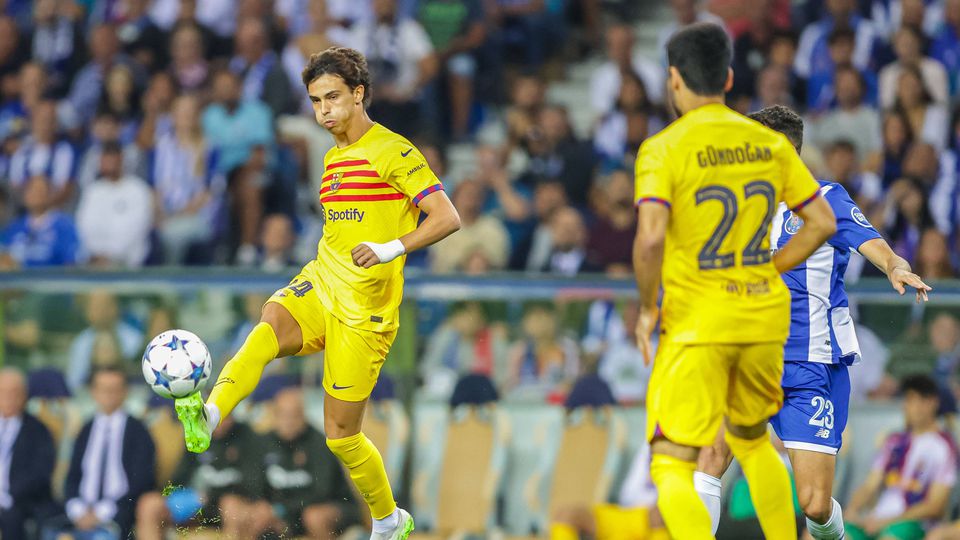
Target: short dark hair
x=108, y=368
x=783, y=120
x=845, y=145
x=346, y=63
x=841, y=32
x=923, y=385
x=111, y=147
x=701, y=52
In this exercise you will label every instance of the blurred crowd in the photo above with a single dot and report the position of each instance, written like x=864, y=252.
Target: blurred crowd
x=149, y=132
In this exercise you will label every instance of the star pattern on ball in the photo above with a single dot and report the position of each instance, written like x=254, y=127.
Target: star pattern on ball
x=176, y=343
x=161, y=379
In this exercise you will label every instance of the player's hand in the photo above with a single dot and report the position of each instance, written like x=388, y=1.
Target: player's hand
x=646, y=322
x=364, y=257
x=87, y=522
x=901, y=279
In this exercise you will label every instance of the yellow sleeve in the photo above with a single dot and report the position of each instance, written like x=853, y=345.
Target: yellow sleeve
x=799, y=185
x=653, y=176
x=407, y=170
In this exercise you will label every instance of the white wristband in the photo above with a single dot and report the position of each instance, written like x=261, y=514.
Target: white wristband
x=387, y=252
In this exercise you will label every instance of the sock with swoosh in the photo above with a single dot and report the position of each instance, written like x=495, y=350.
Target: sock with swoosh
x=242, y=373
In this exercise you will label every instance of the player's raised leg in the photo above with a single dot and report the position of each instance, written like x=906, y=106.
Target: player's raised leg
x=814, y=472
x=277, y=334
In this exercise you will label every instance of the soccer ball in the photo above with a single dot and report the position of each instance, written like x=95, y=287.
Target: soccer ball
x=176, y=364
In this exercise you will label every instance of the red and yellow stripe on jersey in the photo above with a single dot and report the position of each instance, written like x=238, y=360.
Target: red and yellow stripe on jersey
x=370, y=193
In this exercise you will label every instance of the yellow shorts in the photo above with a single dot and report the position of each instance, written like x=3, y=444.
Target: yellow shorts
x=352, y=357
x=692, y=387
x=618, y=523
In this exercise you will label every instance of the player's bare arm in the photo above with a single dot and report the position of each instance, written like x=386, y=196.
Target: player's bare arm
x=647, y=265
x=895, y=267
x=442, y=220
x=819, y=224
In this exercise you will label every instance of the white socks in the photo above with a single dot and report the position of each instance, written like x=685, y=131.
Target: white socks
x=213, y=416
x=709, y=489
x=388, y=523
x=832, y=529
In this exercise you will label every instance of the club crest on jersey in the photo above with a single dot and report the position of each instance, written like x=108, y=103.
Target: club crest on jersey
x=793, y=223
x=861, y=219
x=335, y=184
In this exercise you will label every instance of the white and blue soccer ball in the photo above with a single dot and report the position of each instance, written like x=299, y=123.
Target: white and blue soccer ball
x=176, y=364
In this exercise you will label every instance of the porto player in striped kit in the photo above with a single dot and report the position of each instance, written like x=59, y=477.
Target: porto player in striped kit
x=346, y=301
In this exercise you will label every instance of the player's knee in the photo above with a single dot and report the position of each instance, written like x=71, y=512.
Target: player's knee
x=575, y=516
x=285, y=328
x=714, y=459
x=151, y=507
x=815, y=504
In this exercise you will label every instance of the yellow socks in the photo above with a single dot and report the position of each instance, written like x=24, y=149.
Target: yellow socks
x=242, y=373
x=562, y=531
x=769, y=484
x=363, y=461
x=683, y=512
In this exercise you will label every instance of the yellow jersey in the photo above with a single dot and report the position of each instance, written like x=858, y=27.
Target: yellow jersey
x=370, y=192
x=722, y=176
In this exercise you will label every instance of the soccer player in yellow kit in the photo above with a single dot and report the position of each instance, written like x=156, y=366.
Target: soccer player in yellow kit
x=346, y=301
x=707, y=189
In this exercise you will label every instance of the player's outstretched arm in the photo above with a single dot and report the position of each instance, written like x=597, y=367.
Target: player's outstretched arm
x=819, y=224
x=896, y=268
x=647, y=266
x=442, y=220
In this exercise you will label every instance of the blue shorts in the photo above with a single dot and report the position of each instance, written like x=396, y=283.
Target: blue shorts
x=816, y=399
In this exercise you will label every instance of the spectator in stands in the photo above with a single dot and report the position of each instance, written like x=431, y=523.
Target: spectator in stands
x=457, y=29
x=897, y=139
x=523, y=32
x=27, y=457
x=87, y=85
x=535, y=246
x=106, y=131
x=12, y=55
x=305, y=484
x=610, y=341
x=622, y=63
x=944, y=335
x=318, y=36
x=888, y=16
x=140, y=38
x=120, y=97
x=527, y=98
x=568, y=246
x=42, y=237
x=912, y=476
x=507, y=200
x=853, y=119
x=188, y=65
x=277, y=238
x=813, y=54
x=542, y=363
x=945, y=47
x=57, y=41
x=157, y=104
x=102, y=314
x=228, y=479
x=864, y=187
x=44, y=153
x=821, y=86
x=635, y=510
x=478, y=233
x=241, y=131
x=908, y=44
x=684, y=12
x=115, y=214
x=933, y=256
x=401, y=61
x=260, y=68
x=773, y=88
x=751, y=50
x=112, y=463
x=622, y=130
x=466, y=342
x=185, y=182
x=555, y=153
x=610, y=240
x=928, y=120
x=908, y=215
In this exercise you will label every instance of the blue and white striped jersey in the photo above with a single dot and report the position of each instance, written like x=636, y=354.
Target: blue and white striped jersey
x=821, y=329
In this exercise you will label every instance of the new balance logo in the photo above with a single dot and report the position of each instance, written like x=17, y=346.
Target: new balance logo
x=823, y=433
